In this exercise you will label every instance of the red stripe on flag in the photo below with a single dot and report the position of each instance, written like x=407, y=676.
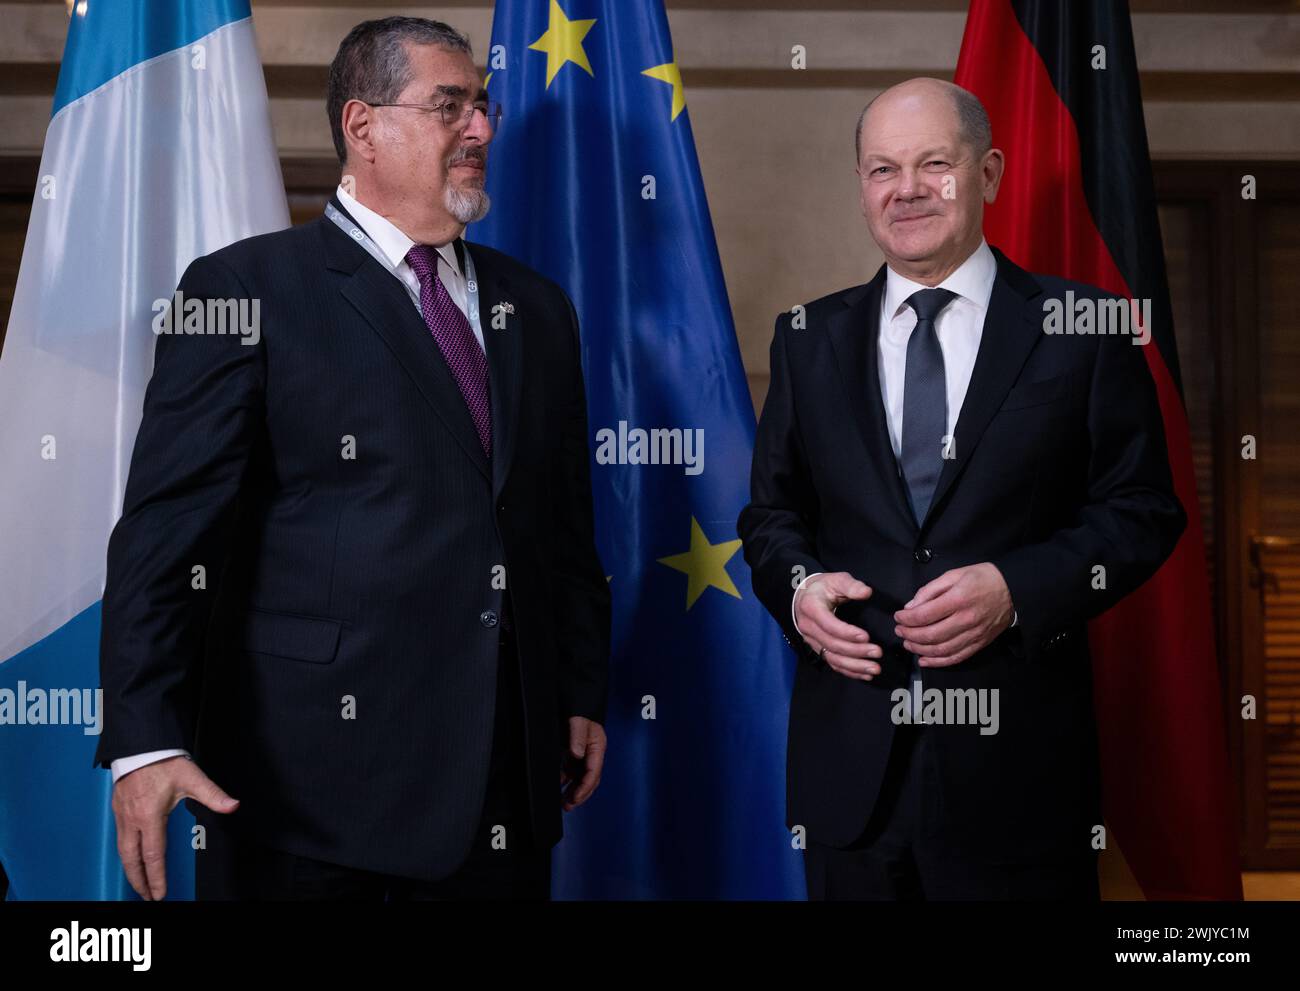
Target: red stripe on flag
x=1166, y=789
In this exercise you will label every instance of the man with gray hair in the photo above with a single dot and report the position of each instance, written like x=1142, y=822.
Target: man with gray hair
x=402, y=631
x=942, y=495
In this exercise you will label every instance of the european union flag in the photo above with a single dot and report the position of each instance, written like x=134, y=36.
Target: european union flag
x=594, y=182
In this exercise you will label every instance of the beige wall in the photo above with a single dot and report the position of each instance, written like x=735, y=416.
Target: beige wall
x=1221, y=80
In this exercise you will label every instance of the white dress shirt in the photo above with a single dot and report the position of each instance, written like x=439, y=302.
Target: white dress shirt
x=959, y=327
x=394, y=244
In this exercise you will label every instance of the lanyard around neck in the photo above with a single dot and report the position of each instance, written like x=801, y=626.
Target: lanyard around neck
x=355, y=232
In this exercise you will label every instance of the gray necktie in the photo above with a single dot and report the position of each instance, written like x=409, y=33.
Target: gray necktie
x=925, y=401
x=925, y=420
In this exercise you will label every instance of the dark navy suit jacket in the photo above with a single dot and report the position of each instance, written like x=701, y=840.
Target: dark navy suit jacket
x=1060, y=466
x=373, y=580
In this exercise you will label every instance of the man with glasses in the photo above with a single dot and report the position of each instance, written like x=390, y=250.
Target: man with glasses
x=355, y=578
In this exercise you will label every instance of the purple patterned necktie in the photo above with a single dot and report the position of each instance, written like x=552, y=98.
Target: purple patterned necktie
x=455, y=339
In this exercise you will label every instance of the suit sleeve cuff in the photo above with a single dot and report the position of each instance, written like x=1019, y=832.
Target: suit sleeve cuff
x=125, y=765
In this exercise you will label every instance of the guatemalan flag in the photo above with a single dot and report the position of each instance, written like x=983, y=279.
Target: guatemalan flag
x=159, y=150
x=594, y=182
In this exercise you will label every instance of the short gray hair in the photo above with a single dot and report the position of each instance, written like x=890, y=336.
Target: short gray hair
x=973, y=127
x=372, y=64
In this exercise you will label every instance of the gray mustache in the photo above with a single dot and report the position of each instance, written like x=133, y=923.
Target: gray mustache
x=465, y=156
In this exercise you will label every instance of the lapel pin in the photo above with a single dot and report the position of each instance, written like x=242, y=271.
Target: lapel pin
x=499, y=312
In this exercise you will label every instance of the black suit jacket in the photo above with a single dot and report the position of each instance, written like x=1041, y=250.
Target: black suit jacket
x=372, y=581
x=1060, y=465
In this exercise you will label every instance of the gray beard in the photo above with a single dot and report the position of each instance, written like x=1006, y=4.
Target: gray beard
x=466, y=205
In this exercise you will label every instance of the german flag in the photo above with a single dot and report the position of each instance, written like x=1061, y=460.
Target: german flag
x=1060, y=82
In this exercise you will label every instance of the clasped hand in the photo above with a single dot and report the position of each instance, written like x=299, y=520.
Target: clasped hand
x=948, y=620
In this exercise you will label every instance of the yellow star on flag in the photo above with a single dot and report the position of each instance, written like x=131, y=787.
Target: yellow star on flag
x=562, y=43
x=670, y=74
x=704, y=564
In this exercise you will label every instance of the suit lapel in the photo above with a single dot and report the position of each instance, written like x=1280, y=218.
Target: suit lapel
x=505, y=346
x=854, y=332
x=384, y=303
x=1012, y=326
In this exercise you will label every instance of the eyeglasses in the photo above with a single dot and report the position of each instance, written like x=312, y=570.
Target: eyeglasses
x=454, y=113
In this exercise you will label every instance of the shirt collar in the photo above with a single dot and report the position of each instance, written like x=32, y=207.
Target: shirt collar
x=390, y=239
x=972, y=281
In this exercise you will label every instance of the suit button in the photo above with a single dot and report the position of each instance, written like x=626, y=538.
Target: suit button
x=923, y=554
x=488, y=618
x=501, y=508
